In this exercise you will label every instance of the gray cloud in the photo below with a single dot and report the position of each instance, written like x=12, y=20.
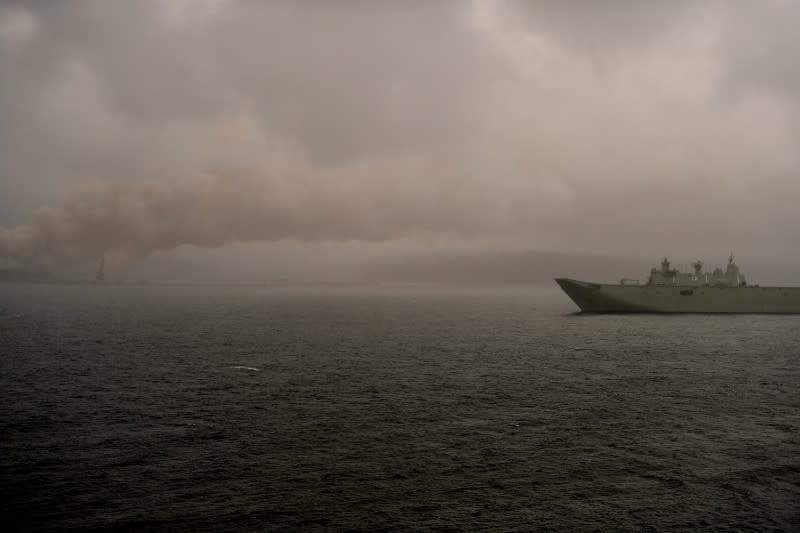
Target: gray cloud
x=601, y=27
x=761, y=48
x=626, y=127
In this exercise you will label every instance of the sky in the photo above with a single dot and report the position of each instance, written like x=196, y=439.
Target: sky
x=294, y=133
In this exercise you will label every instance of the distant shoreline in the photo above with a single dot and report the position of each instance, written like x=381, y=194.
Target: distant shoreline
x=294, y=284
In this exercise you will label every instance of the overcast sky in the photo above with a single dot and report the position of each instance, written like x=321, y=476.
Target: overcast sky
x=621, y=127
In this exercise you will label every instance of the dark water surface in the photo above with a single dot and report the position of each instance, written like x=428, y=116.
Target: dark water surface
x=367, y=408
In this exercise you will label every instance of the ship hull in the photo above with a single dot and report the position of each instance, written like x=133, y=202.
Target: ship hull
x=604, y=298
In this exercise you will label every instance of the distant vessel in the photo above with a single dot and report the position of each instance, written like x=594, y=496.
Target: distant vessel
x=100, y=277
x=669, y=291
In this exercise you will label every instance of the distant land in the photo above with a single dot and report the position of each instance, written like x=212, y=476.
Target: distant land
x=511, y=267
x=24, y=275
x=536, y=267
x=444, y=267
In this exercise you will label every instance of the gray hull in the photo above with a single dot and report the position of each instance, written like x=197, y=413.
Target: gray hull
x=602, y=298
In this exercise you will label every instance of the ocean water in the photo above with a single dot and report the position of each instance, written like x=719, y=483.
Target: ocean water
x=328, y=408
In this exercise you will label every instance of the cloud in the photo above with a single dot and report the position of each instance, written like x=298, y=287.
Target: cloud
x=627, y=128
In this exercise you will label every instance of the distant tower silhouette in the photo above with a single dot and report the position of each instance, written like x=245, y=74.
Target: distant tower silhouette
x=100, y=277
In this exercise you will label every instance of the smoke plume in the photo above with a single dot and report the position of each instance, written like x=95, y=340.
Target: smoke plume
x=281, y=197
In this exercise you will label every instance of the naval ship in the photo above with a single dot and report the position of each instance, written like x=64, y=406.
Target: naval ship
x=670, y=291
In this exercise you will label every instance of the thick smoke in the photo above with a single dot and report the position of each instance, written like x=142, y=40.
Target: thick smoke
x=274, y=195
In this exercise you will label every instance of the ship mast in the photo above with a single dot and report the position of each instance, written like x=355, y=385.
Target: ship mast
x=100, y=277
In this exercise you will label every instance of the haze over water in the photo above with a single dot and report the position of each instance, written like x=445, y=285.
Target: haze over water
x=226, y=408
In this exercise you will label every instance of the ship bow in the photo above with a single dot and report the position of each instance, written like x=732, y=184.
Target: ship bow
x=583, y=293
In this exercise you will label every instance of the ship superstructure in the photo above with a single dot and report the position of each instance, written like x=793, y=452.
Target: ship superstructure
x=731, y=277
